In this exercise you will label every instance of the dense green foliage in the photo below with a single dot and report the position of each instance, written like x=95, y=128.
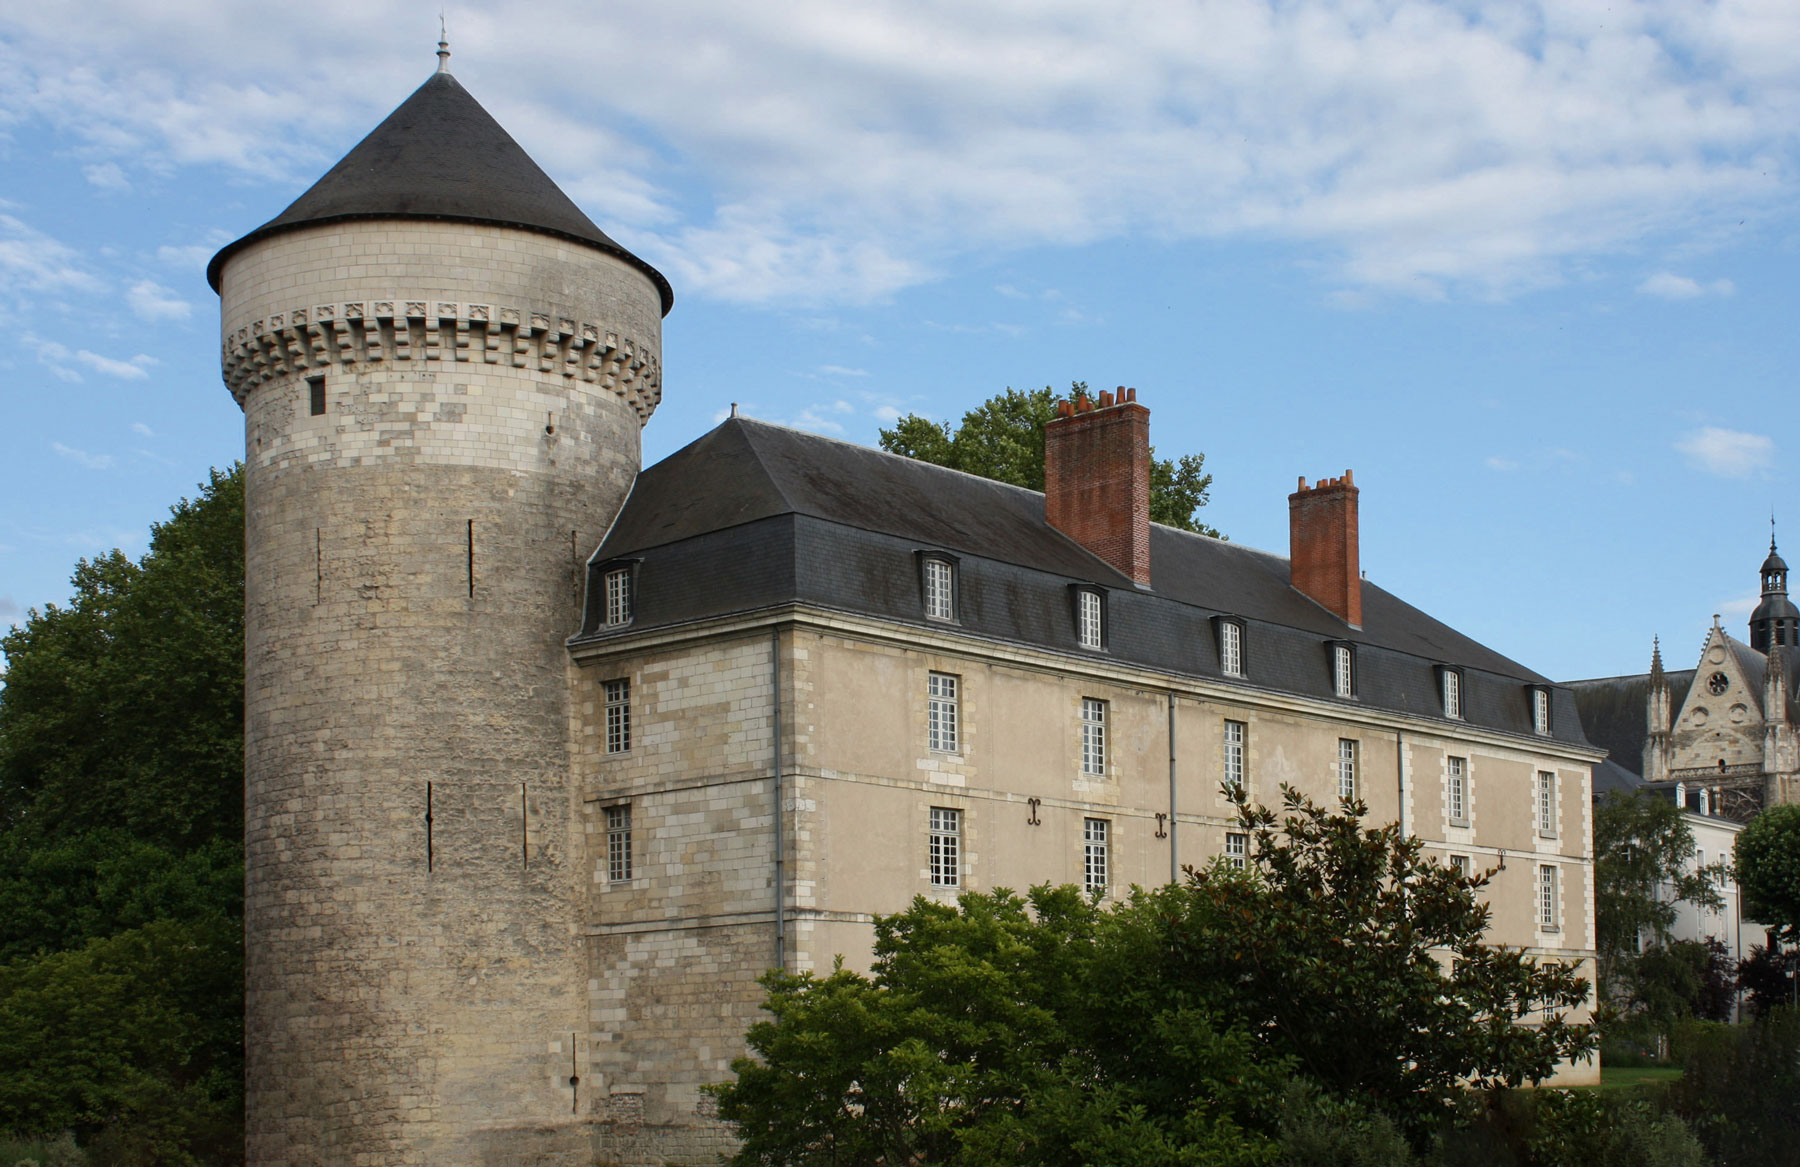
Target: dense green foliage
x=1740, y=1091
x=121, y=870
x=1302, y=999
x=1642, y=850
x=1003, y=439
x=1768, y=869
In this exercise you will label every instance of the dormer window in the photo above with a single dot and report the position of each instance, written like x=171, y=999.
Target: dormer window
x=1540, y=710
x=937, y=577
x=1450, y=691
x=1231, y=646
x=1343, y=669
x=618, y=596
x=1090, y=618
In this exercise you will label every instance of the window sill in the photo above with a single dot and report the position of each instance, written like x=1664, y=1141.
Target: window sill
x=1460, y=824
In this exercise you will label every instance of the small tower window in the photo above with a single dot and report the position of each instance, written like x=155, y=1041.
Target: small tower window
x=315, y=390
x=618, y=843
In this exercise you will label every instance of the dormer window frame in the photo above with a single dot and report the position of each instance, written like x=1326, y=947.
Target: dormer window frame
x=1453, y=692
x=1231, y=643
x=1340, y=663
x=940, y=586
x=618, y=591
x=1089, y=608
x=1543, y=718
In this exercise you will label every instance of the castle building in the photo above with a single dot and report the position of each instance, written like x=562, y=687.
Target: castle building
x=1719, y=738
x=548, y=758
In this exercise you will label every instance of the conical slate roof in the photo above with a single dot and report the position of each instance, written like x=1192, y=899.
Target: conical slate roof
x=441, y=156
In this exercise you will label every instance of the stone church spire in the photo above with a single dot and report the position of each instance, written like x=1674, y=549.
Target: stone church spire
x=1656, y=745
x=1776, y=620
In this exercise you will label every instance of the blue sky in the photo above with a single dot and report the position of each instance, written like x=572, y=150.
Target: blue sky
x=1529, y=269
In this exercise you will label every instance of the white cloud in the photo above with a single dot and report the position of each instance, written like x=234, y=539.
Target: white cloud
x=142, y=430
x=1503, y=464
x=135, y=369
x=887, y=413
x=31, y=261
x=1728, y=453
x=841, y=371
x=193, y=257
x=1669, y=286
x=152, y=301
x=106, y=176
x=83, y=458
x=1741, y=607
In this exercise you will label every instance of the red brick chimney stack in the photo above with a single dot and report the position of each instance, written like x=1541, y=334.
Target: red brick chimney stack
x=1322, y=538
x=1097, y=478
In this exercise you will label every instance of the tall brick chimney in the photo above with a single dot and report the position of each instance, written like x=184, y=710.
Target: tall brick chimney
x=1097, y=478
x=1323, y=558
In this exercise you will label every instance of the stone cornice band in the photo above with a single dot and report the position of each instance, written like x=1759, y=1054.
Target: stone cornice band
x=373, y=333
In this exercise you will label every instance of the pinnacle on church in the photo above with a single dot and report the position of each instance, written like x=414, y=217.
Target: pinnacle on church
x=1656, y=665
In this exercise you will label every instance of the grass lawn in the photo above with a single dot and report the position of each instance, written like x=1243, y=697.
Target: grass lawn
x=1622, y=1078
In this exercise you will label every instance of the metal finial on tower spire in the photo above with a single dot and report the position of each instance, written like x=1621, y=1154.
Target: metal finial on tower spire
x=443, y=52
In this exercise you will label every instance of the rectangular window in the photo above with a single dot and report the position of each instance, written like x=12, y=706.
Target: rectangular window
x=1088, y=605
x=1346, y=768
x=941, y=712
x=1540, y=711
x=940, y=590
x=1457, y=777
x=1236, y=735
x=315, y=389
x=1093, y=736
x=1231, y=649
x=1460, y=865
x=618, y=716
x=618, y=843
x=1343, y=680
x=1546, y=804
x=1547, y=898
x=1452, y=693
x=1237, y=849
x=618, y=596
x=1093, y=854
x=946, y=847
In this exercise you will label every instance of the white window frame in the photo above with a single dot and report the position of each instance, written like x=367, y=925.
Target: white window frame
x=1540, y=711
x=618, y=715
x=943, y=713
x=944, y=850
x=1093, y=737
x=1549, y=899
x=1090, y=619
x=1095, y=845
x=1343, y=670
x=1348, y=749
x=1231, y=648
x=1546, y=804
x=1237, y=849
x=618, y=596
x=618, y=843
x=940, y=589
x=1450, y=691
x=1460, y=865
x=1456, y=781
x=1237, y=747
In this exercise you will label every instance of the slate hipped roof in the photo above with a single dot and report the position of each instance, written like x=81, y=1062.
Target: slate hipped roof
x=440, y=155
x=754, y=515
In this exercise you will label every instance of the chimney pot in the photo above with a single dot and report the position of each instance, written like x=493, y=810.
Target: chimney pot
x=1106, y=399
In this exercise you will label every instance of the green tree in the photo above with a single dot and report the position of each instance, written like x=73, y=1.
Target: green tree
x=121, y=858
x=1643, y=868
x=1003, y=439
x=1768, y=869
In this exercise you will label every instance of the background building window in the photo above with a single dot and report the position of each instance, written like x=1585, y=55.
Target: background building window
x=1093, y=736
x=1460, y=865
x=1343, y=676
x=940, y=589
x=1231, y=648
x=1540, y=711
x=1237, y=849
x=1236, y=735
x=1452, y=682
x=1546, y=804
x=1093, y=854
x=1457, y=778
x=1547, y=898
x=618, y=596
x=1346, y=768
x=618, y=716
x=941, y=712
x=618, y=843
x=946, y=847
x=1090, y=623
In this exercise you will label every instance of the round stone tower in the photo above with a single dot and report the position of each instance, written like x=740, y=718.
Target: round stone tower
x=444, y=367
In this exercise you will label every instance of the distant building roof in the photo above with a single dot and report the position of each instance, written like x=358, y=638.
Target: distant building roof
x=753, y=515
x=1614, y=709
x=441, y=156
